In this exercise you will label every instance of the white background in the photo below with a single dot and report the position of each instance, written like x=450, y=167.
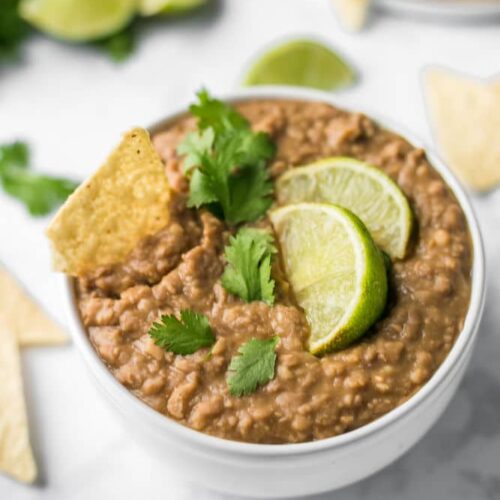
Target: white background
x=72, y=104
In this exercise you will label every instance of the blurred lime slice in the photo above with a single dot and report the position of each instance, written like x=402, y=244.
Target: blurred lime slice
x=302, y=63
x=336, y=272
x=152, y=7
x=78, y=20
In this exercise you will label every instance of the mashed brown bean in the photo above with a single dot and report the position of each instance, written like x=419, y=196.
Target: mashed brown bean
x=310, y=398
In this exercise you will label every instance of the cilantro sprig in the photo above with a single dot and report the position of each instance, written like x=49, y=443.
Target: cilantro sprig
x=185, y=336
x=40, y=193
x=248, y=270
x=253, y=366
x=227, y=162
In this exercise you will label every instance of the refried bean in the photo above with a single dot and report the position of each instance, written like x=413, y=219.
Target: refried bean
x=310, y=398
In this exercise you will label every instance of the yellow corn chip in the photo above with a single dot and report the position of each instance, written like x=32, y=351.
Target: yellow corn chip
x=352, y=13
x=24, y=317
x=465, y=114
x=16, y=457
x=123, y=202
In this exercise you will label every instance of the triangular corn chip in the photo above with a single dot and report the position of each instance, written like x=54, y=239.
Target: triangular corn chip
x=123, y=202
x=16, y=457
x=352, y=13
x=24, y=317
x=465, y=114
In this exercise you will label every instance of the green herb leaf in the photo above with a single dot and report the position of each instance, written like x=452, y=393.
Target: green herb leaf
x=184, y=336
x=15, y=154
x=255, y=148
x=194, y=147
x=229, y=161
x=248, y=270
x=266, y=283
x=216, y=114
x=40, y=193
x=13, y=29
x=201, y=192
x=254, y=366
x=253, y=188
x=119, y=46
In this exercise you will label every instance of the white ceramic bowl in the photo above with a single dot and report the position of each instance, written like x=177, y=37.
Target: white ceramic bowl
x=288, y=470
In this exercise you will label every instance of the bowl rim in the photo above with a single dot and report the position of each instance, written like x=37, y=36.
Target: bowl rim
x=216, y=444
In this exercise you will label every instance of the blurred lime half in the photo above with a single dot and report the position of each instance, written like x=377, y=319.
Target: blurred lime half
x=302, y=63
x=152, y=7
x=78, y=20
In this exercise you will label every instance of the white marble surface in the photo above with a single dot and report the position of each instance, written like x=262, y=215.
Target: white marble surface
x=71, y=104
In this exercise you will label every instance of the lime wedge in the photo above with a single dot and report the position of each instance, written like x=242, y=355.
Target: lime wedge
x=152, y=7
x=78, y=20
x=303, y=63
x=335, y=270
x=363, y=189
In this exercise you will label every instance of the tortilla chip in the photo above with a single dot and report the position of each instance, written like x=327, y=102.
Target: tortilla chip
x=123, y=202
x=24, y=317
x=16, y=457
x=465, y=114
x=352, y=13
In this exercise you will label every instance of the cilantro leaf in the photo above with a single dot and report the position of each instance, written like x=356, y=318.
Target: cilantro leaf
x=248, y=272
x=266, y=283
x=40, y=193
x=216, y=114
x=194, y=147
x=253, y=188
x=201, y=192
x=254, y=366
x=184, y=336
x=255, y=147
x=13, y=29
x=229, y=162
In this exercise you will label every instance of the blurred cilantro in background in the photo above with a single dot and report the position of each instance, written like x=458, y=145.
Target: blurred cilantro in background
x=13, y=29
x=39, y=193
x=120, y=45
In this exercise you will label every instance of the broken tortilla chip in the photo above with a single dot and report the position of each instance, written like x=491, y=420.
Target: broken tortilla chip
x=24, y=317
x=465, y=116
x=123, y=202
x=16, y=457
x=352, y=13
